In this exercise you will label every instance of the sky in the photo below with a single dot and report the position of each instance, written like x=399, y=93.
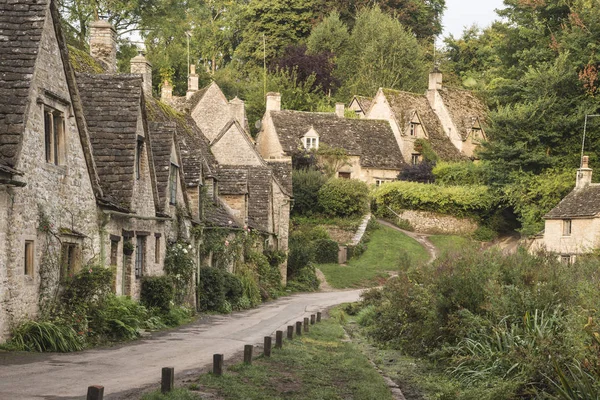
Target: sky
x=464, y=13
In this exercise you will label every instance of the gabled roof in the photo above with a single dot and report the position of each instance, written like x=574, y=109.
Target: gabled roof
x=405, y=104
x=112, y=105
x=282, y=170
x=197, y=97
x=363, y=102
x=21, y=25
x=372, y=140
x=225, y=129
x=217, y=215
x=233, y=180
x=464, y=108
x=163, y=136
x=259, y=195
x=580, y=203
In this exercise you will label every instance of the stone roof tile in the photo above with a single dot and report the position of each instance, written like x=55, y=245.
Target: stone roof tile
x=163, y=134
x=464, y=108
x=580, y=203
x=233, y=180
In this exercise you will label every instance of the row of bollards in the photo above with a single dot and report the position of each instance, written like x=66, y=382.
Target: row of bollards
x=167, y=382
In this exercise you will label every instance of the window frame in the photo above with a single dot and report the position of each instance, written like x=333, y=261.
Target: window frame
x=140, y=256
x=344, y=175
x=69, y=260
x=415, y=159
x=567, y=227
x=29, y=258
x=173, y=179
x=157, y=248
x=54, y=136
x=139, y=150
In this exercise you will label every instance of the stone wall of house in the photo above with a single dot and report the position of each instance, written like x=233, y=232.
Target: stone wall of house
x=267, y=143
x=237, y=205
x=62, y=193
x=437, y=103
x=142, y=195
x=234, y=149
x=281, y=220
x=583, y=239
x=193, y=195
x=371, y=175
x=434, y=223
x=380, y=109
x=212, y=112
x=4, y=204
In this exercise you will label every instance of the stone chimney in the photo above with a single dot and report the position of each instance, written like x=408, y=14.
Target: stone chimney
x=339, y=109
x=584, y=174
x=166, y=92
x=238, y=110
x=103, y=44
x=273, y=101
x=139, y=65
x=192, y=82
x=435, y=79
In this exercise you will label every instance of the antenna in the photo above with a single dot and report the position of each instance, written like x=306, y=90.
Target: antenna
x=584, y=130
x=264, y=66
x=188, y=34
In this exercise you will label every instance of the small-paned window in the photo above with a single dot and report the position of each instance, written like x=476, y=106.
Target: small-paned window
x=69, y=260
x=138, y=158
x=29, y=258
x=54, y=136
x=566, y=227
x=173, y=184
x=415, y=159
x=379, y=182
x=565, y=258
x=344, y=175
x=413, y=129
x=311, y=143
x=140, y=256
x=157, y=250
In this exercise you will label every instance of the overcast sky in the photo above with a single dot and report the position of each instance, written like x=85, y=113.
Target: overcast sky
x=462, y=13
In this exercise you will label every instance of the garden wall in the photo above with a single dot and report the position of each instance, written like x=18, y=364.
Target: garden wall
x=434, y=223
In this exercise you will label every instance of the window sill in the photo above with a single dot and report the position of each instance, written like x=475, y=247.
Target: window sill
x=56, y=169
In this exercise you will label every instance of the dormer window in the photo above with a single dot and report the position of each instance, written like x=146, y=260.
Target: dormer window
x=413, y=129
x=54, y=136
x=311, y=140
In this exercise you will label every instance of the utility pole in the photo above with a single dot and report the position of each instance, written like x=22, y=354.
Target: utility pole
x=264, y=66
x=188, y=34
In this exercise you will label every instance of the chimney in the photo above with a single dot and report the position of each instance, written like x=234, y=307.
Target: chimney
x=139, y=65
x=192, y=82
x=237, y=110
x=103, y=44
x=273, y=101
x=584, y=174
x=339, y=109
x=166, y=92
x=435, y=79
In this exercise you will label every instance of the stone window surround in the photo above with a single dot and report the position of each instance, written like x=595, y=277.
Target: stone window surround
x=30, y=277
x=567, y=227
x=157, y=237
x=173, y=179
x=139, y=150
x=310, y=140
x=55, y=102
x=379, y=182
x=415, y=158
x=29, y=257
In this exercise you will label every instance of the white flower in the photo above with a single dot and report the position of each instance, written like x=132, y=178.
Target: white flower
x=185, y=251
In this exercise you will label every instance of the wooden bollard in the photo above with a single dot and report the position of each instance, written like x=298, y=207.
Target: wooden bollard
x=278, y=339
x=305, y=324
x=95, y=393
x=298, y=328
x=218, y=364
x=267, y=346
x=312, y=319
x=248, y=354
x=290, y=332
x=167, y=381
x=319, y=316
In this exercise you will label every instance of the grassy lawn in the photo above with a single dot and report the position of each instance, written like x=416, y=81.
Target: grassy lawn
x=450, y=243
x=386, y=251
x=319, y=365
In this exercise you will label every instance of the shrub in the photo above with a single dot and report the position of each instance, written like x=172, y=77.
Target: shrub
x=326, y=251
x=305, y=280
x=157, y=292
x=232, y=285
x=484, y=234
x=179, y=265
x=211, y=289
x=177, y=316
x=465, y=173
x=45, y=336
x=420, y=172
x=269, y=276
x=301, y=253
x=119, y=318
x=306, y=185
x=344, y=197
x=89, y=286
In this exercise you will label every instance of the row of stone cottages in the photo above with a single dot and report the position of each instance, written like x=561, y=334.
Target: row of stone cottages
x=93, y=169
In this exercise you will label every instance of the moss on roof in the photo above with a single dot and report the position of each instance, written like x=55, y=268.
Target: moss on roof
x=82, y=62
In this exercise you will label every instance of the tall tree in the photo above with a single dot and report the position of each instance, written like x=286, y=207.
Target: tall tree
x=330, y=35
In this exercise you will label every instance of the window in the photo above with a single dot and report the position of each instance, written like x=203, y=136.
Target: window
x=157, y=249
x=415, y=159
x=379, y=182
x=138, y=157
x=54, y=136
x=565, y=259
x=173, y=184
x=29, y=258
x=200, y=202
x=566, y=227
x=344, y=175
x=114, y=251
x=311, y=143
x=413, y=129
x=140, y=256
x=69, y=260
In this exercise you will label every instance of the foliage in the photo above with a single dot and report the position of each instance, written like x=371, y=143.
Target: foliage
x=420, y=172
x=269, y=276
x=424, y=147
x=326, y=251
x=484, y=234
x=329, y=36
x=344, y=197
x=318, y=67
x=304, y=280
x=45, y=336
x=306, y=185
x=180, y=266
x=220, y=290
x=157, y=292
x=88, y=288
x=465, y=173
x=453, y=200
x=119, y=318
x=331, y=159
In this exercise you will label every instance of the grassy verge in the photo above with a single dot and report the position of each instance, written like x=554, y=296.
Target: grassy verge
x=450, y=243
x=319, y=365
x=387, y=250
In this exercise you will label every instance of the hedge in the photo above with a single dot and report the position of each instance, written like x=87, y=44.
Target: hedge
x=326, y=251
x=157, y=292
x=344, y=197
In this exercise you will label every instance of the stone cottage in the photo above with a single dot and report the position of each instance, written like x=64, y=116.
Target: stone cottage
x=360, y=105
x=451, y=120
x=572, y=227
x=374, y=156
x=49, y=183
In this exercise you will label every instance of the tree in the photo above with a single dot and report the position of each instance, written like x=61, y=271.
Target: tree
x=329, y=36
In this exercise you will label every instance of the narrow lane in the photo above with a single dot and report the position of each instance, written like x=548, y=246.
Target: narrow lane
x=138, y=364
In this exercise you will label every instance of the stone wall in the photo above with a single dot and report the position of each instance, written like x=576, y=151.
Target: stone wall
x=267, y=142
x=212, y=112
x=433, y=223
x=281, y=220
x=583, y=238
x=237, y=206
x=233, y=148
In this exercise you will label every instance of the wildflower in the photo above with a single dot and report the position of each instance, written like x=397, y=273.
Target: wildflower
x=90, y=271
x=227, y=243
x=185, y=251
x=230, y=222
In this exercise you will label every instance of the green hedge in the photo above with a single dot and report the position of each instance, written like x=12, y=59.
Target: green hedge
x=344, y=197
x=306, y=184
x=326, y=251
x=460, y=173
x=157, y=292
x=219, y=290
x=458, y=201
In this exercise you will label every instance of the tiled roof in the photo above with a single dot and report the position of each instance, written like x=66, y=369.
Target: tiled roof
x=372, y=140
x=405, y=104
x=162, y=134
x=233, y=180
x=583, y=202
x=21, y=25
x=282, y=170
x=196, y=97
x=195, y=150
x=364, y=102
x=259, y=188
x=464, y=108
x=218, y=216
x=111, y=104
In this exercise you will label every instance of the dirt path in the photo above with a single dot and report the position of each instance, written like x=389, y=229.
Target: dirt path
x=324, y=286
x=422, y=238
x=137, y=365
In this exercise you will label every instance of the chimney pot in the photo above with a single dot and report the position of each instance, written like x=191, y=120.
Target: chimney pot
x=339, y=109
x=166, y=92
x=435, y=79
x=192, y=82
x=140, y=65
x=273, y=101
x=584, y=174
x=103, y=44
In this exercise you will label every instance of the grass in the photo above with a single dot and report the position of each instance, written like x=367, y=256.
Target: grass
x=450, y=243
x=387, y=250
x=319, y=365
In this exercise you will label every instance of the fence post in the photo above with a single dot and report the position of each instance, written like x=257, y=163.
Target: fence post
x=267, y=346
x=305, y=324
x=95, y=393
x=167, y=381
x=278, y=339
x=298, y=328
x=312, y=319
x=218, y=364
x=290, y=332
x=319, y=316
x=248, y=354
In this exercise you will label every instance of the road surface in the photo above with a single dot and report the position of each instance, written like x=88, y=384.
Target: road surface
x=138, y=364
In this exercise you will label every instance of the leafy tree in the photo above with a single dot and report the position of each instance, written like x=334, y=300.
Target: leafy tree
x=329, y=36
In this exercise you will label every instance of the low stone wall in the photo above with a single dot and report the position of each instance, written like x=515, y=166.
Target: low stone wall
x=433, y=223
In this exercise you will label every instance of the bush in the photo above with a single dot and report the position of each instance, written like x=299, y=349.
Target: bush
x=484, y=234
x=119, y=318
x=88, y=287
x=232, y=285
x=465, y=173
x=420, y=172
x=306, y=185
x=344, y=197
x=45, y=336
x=301, y=253
x=305, y=280
x=211, y=289
x=326, y=251
x=180, y=266
x=157, y=292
